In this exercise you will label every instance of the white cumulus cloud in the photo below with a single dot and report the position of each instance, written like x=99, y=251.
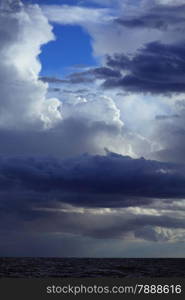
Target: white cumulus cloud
x=24, y=29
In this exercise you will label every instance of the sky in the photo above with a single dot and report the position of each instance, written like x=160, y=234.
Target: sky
x=92, y=110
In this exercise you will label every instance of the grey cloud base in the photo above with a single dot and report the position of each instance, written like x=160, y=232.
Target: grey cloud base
x=46, y=195
x=112, y=174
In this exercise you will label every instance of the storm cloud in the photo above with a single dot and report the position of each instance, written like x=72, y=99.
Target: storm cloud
x=102, y=197
x=112, y=174
x=157, y=68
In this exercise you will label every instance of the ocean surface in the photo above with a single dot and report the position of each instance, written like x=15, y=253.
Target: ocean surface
x=91, y=267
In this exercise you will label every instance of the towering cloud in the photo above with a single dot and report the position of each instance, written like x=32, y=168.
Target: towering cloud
x=25, y=103
x=24, y=29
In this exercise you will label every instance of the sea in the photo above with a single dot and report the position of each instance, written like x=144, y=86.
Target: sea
x=28, y=267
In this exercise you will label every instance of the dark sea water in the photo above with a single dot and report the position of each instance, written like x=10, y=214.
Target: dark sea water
x=91, y=267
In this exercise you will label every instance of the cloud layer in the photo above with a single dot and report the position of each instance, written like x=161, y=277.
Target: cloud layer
x=110, y=175
x=94, y=196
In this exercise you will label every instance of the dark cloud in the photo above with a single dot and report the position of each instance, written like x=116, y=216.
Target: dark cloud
x=86, y=76
x=93, y=74
x=88, y=175
x=158, y=17
x=52, y=79
x=55, y=90
x=44, y=216
x=166, y=117
x=104, y=72
x=81, y=91
x=80, y=77
x=156, y=68
x=44, y=195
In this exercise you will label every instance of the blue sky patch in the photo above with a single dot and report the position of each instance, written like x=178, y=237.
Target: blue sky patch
x=72, y=47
